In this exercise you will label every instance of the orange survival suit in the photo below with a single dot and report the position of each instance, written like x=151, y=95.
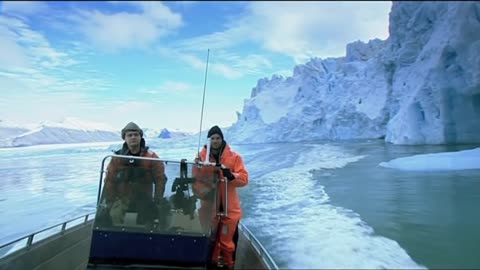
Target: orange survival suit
x=227, y=226
x=119, y=175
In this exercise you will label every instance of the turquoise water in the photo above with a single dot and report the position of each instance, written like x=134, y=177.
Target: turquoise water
x=434, y=216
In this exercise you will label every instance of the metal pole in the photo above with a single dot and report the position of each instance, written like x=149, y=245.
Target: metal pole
x=203, y=103
x=226, y=196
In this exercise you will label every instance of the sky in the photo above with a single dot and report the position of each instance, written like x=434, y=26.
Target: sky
x=114, y=62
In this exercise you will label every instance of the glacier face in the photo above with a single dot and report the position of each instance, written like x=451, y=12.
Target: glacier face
x=420, y=86
x=434, y=62
x=335, y=98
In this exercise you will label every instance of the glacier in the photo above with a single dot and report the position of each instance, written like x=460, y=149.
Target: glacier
x=419, y=86
x=69, y=130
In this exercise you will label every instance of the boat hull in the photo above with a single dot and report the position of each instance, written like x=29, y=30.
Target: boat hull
x=70, y=250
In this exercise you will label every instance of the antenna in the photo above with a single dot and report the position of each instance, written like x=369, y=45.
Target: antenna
x=203, y=103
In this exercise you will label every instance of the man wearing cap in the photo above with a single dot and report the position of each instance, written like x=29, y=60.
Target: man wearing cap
x=231, y=168
x=126, y=178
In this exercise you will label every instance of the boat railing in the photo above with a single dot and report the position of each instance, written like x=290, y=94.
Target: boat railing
x=37, y=236
x=30, y=238
x=260, y=249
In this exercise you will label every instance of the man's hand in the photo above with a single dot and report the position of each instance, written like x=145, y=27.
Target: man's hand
x=227, y=173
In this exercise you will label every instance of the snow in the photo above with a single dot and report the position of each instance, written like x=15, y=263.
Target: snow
x=167, y=134
x=9, y=130
x=70, y=130
x=151, y=132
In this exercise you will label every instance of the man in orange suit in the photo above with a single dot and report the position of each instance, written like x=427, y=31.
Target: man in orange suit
x=231, y=169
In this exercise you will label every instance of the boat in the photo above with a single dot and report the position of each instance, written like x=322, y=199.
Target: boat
x=165, y=233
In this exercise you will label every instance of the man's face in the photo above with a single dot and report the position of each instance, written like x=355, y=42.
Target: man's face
x=132, y=138
x=215, y=141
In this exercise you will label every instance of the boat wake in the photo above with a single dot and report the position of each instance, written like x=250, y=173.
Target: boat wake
x=292, y=216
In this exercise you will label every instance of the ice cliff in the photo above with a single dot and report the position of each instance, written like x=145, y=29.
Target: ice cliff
x=420, y=86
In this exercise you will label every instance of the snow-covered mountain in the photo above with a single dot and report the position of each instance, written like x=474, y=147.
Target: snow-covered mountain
x=151, y=132
x=8, y=131
x=420, y=86
x=167, y=134
x=70, y=130
x=163, y=133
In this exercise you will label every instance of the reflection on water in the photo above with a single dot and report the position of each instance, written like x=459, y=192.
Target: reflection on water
x=41, y=191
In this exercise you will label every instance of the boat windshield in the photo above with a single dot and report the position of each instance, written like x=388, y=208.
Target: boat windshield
x=149, y=195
